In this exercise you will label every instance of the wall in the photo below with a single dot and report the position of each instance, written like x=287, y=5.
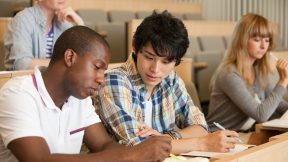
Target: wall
x=232, y=10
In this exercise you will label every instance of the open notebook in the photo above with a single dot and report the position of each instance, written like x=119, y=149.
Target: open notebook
x=238, y=148
x=279, y=123
x=184, y=159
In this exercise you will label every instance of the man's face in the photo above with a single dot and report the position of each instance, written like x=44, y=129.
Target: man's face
x=86, y=75
x=152, y=68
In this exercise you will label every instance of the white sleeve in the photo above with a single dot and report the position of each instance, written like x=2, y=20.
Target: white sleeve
x=91, y=116
x=18, y=115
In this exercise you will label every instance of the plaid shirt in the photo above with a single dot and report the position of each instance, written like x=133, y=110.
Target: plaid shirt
x=121, y=104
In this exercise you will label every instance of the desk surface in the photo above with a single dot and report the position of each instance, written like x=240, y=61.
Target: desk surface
x=275, y=150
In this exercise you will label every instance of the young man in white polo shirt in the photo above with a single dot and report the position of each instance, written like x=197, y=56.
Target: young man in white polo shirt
x=45, y=117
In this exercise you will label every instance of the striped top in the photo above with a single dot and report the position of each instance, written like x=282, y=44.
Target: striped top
x=121, y=104
x=49, y=43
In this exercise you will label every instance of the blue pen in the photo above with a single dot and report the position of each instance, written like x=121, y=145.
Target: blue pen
x=222, y=128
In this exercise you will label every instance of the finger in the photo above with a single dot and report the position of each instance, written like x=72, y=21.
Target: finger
x=142, y=126
x=231, y=133
x=146, y=133
x=140, y=132
x=231, y=140
x=230, y=145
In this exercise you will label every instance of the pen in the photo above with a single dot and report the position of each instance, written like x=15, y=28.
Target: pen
x=174, y=157
x=222, y=128
x=274, y=57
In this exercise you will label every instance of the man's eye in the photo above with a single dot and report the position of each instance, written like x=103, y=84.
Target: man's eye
x=166, y=62
x=148, y=57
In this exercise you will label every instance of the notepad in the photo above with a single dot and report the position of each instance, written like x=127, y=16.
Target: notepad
x=238, y=148
x=184, y=159
x=279, y=123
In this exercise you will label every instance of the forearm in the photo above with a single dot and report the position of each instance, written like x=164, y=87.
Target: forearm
x=193, y=131
x=190, y=139
x=108, y=155
x=185, y=145
x=113, y=145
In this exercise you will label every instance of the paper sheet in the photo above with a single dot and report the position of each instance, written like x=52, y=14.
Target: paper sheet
x=279, y=123
x=238, y=148
x=184, y=159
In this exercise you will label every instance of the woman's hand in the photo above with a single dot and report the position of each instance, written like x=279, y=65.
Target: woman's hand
x=282, y=68
x=68, y=14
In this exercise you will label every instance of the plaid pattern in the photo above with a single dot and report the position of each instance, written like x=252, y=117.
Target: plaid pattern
x=121, y=104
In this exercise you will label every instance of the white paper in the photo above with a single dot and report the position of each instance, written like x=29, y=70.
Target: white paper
x=279, y=123
x=184, y=159
x=238, y=148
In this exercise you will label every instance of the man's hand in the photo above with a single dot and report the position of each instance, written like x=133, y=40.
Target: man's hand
x=155, y=148
x=69, y=15
x=219, y=141
x=146, y=131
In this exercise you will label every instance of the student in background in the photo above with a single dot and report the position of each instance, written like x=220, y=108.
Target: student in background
x=32, y=33
x=146, y=97
x=241, y=91
x=46, y=116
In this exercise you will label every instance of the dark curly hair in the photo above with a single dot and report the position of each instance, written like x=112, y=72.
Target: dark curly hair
x=167, y=35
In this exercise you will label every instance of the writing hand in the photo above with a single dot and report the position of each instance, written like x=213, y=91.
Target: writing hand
x=219, y=141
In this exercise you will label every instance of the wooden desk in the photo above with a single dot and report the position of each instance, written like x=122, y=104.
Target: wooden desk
x=6, y=75
x=263, y=133
x=200, y=65
x=4, y=21
x=283, y=135
x=275, y=150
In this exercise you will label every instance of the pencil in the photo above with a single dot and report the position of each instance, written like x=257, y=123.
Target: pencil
x=273, y=56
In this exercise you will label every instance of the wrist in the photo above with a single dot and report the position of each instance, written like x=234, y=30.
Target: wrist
x=283, y=82
x=201, y=142
x=174, y=135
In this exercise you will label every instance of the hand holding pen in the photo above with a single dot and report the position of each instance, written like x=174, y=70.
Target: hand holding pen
x=222, y=128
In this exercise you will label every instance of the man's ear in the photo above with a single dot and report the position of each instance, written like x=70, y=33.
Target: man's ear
x=70, y=57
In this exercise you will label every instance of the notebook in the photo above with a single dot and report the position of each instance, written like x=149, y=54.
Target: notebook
x=185, y=159
x=279, y=123
x=238, y=148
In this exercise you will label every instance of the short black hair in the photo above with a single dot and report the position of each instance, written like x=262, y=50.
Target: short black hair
x=80, y=39
x=167, y=35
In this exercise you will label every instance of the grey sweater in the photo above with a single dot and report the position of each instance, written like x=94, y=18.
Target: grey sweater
x=232, y=101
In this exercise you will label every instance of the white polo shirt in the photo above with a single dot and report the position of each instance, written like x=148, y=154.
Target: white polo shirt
x=26, y=111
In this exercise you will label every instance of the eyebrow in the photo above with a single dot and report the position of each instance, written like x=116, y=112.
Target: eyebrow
x=102, y=64
x=150, y=53
x=153, y=54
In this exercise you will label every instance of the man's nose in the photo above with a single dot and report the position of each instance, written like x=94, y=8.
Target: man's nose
x=100, y=79
x=155, y=67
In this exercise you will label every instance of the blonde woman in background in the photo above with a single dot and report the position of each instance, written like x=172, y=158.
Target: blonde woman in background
x=32, y=33
x=241, y=92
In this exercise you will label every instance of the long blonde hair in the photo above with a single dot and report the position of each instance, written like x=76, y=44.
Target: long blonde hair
x=250, y=25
